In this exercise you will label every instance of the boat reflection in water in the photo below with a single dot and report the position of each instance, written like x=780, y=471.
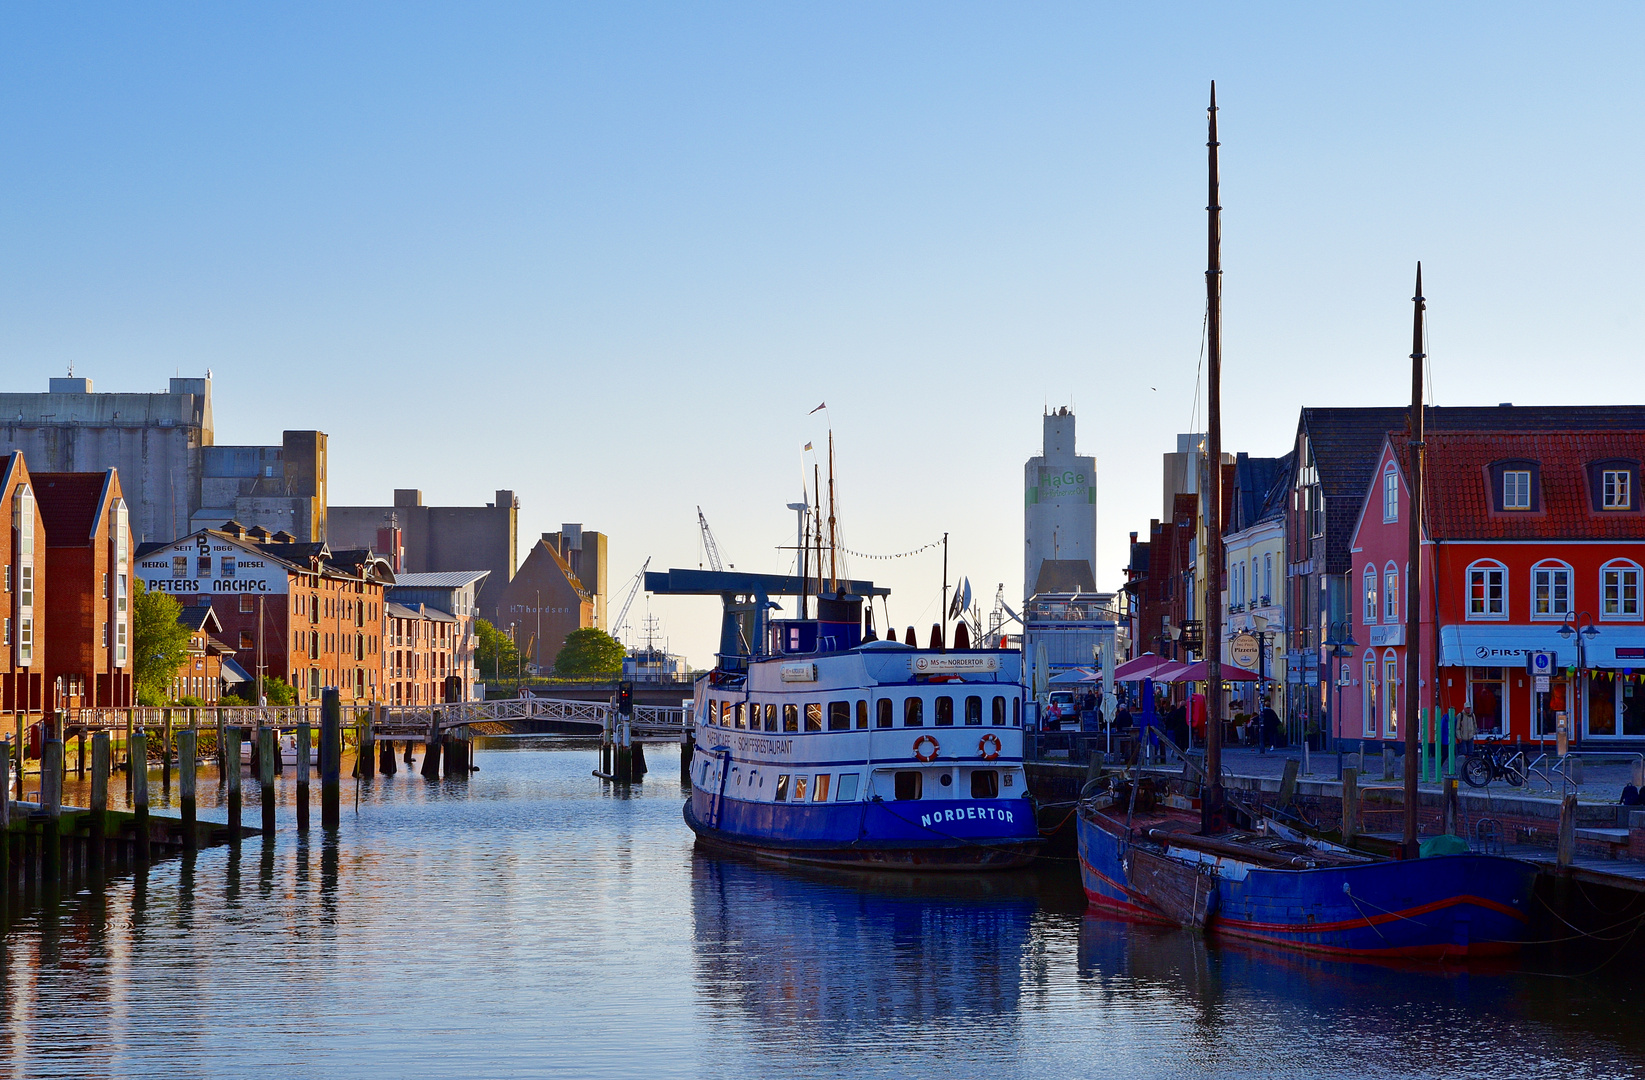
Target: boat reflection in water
x=859, y=951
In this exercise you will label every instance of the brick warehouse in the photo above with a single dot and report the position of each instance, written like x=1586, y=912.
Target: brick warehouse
x=22, y=591
x=87, y=646
x=299, y=611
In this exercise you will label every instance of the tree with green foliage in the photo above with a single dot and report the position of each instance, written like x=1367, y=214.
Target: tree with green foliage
x=589, y=651
x=495, y=656
x=277, y=690
x=159, y=643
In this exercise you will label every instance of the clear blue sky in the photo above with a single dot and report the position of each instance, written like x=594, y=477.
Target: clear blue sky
x=610, y=256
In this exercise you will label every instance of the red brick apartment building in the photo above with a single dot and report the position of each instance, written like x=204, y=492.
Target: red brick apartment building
x=418, y=656
x=22, y=591
x=87, y=646
x=299, y=611
x=201, y=675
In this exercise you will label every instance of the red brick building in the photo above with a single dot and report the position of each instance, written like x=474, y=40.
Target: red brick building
x=419, y=656
x=1531, y=534
x=201, y=675
x=299, y=611
x=87, y=642
x=544, y=602
x=22, y=591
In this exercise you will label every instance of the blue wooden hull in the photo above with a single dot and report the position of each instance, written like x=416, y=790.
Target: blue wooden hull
x=1448, y=906
x=918, y=834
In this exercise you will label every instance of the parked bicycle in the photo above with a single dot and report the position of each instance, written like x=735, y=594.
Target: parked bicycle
x=1486, y=763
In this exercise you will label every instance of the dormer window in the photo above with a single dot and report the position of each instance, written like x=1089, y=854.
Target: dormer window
x=1613, y=486
x=1516, y=486
x=1390, y=494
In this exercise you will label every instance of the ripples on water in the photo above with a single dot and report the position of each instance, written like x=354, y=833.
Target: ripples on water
x=530, y=922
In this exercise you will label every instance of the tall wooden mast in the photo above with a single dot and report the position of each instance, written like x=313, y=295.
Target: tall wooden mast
x=833, y=564
x=1413, y=574
x=1211, y=804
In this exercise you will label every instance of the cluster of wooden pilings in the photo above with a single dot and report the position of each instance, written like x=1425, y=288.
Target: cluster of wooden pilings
x=622, y=756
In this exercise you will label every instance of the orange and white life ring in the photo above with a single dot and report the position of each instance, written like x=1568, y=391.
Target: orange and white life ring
x=989, y=746
x=925, y=755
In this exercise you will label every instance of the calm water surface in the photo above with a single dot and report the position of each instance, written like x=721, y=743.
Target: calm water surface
x=530, y=922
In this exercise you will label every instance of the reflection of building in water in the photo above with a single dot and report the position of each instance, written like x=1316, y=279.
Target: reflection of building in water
x=867, y=950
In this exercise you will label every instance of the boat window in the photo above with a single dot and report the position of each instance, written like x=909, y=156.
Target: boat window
x=711, y=710
x=770, y=717
x=725, y=714
x=847, y=789
x=882, y=712
x=973, y=711
x=999, y=712
x=819, y=788
x=791, y=718
x=945, y=712
x=799, y=788
x=782, y=787
x=985, y=784
x=839, y=716
x=741, y=714
x=813, y=716
x=1016, y=712
x=862, y=714
x=907, y=785
x=913, y=712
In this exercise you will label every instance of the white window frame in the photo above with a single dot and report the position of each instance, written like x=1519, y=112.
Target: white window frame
x=1515, y=497
x=1623, y=569
x=1368, y=613
x=1370, y=704
x=1390, y=493
x=1621, y=495
x=1268, y=578
x=1390, y=594
x=1390, y=694
x=1481, y=570
x=1557, y=573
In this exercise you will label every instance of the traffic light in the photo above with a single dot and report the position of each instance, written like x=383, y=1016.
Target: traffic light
x=625, y=698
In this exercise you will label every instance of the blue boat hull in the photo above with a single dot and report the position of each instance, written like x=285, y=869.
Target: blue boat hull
x=1448, y=906
x=958, y=834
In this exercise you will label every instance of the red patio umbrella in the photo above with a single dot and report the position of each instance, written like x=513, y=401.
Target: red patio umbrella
x=1197, y=672
x=1138, y=667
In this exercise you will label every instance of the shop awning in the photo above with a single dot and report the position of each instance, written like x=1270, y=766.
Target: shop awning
x=1506, y=645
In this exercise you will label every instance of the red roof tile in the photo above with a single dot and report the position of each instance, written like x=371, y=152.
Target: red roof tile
x=1459, y=497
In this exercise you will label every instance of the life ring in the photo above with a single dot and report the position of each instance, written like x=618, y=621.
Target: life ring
x=989, y=746
x=930, y=755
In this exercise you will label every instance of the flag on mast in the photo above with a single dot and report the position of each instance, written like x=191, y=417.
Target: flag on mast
x=818, y=409
x=808, y=446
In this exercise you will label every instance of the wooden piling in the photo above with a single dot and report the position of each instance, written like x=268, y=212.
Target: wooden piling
x=230, y=751
x=637, y=761
x=165, y=750
x=101, y=759
x=1288, y=784
x=688, y=747
x=1350, y=805
x=386, y=765
x=222, y=751
x=366, y=759
x=188, y=747
x=305, y=747
x=268, y=749
x=1387, y=764
x=18, y=750
x=1451, y=807
x=51, y=809
x=331, y=758
x=131, y=725
x=137, y=756
x=5, y=818
x=431, y=751
x=80, y=770
x=1567, y=831
x=409, y=760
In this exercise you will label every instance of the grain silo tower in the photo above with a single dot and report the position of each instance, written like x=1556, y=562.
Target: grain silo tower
x=1060, y=516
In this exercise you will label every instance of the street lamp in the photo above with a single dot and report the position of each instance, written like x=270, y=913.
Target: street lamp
x=1341, y=643
x=1583, y=630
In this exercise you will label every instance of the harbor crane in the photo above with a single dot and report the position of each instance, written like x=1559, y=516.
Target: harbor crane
x=633, y=591
x=709, y=546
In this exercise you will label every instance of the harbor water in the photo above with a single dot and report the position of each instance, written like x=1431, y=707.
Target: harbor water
x=532, y=921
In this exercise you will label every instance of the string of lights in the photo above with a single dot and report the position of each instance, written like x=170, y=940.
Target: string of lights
x=898, y=555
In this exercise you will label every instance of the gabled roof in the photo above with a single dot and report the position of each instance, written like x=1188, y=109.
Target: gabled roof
x=1259, y=490
x=1457, y=496
x=421, y=611
x=69, y=504
x=1347, y=442
x=200, y=617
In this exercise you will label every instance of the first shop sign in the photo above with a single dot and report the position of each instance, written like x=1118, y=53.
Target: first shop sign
x=211, y=566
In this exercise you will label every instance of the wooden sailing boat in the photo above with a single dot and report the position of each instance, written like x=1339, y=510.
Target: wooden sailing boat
x=1157, y=859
